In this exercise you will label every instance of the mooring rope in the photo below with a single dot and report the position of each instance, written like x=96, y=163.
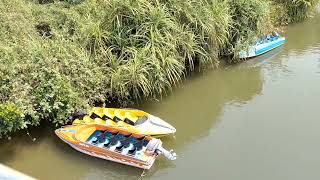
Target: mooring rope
x=32, y=139
x=143, y=174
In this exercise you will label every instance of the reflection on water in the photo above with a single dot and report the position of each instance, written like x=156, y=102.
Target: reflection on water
x=196, y=105
x=255, y=120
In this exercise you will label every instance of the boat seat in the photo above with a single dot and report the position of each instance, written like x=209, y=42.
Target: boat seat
x=104, y=117
x=87, y=120
x=137, y=153
x=139, y=145
x=94, y=137
x=116, y=119
x=131, y=116
x=107, y=144
x=120, y=114
x=112, y=142
x=141, y=138
x=116, y=141
x=109, y=117
x=119, y=148
x=125, y=143
x=128, y=121
x=94, y=115
x=122, y=124
x=113, y=147
x=132, y=151
x=110, y=122
x=98, y=110
x=109, y=113
x=105, y=136
x=129, y=147
x=133, y=139
x=108, y=136
x=99, y=121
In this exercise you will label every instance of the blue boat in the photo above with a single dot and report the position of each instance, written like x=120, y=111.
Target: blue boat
x=263, y=45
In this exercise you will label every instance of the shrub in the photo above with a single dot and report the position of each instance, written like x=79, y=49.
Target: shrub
x=11, y=119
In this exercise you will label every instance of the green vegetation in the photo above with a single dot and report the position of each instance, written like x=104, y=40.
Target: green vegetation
x=249, y=19
x=290, y=11
x=60, y=55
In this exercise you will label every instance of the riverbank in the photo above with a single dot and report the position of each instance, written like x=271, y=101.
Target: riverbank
x=249, y=121
x=58, y=56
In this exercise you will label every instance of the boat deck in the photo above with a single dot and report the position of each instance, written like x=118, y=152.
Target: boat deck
x=124, y=144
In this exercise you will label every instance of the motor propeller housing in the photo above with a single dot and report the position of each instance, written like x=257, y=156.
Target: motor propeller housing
x=155, y=146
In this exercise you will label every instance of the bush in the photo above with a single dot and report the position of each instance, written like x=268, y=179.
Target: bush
x=11, y=119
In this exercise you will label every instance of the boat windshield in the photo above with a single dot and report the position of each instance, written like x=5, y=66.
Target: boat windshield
x=141, y=120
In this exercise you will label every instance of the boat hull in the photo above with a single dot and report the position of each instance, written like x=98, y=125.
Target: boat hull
x=260, y=49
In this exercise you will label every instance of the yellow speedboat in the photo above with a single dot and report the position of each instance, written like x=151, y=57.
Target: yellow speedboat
x=134, y=120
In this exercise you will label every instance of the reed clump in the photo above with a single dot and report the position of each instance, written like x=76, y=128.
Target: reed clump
x=57, y=56
x=290, y=11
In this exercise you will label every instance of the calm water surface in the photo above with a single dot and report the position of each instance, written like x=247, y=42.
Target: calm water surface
x=259, y=120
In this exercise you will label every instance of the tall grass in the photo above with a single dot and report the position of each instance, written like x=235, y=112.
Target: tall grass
x=289, y=11
x=250, y=18
x=60, y=55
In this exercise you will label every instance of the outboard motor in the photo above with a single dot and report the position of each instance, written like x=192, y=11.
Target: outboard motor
x=155, y=145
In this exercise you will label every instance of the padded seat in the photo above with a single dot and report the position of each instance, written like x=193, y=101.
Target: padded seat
x=138, y=146
x=94, y=137
x=87, y=120
x=109, y=113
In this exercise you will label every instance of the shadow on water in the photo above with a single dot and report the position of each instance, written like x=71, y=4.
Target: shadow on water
x=196, y=106
x=21, y=140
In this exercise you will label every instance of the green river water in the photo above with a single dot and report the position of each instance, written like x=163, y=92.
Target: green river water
x=259, y=120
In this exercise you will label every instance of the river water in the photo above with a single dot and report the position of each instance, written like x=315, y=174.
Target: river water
x=256, y=120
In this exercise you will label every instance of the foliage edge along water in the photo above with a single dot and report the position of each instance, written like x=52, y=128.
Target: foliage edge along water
x=60, y=56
